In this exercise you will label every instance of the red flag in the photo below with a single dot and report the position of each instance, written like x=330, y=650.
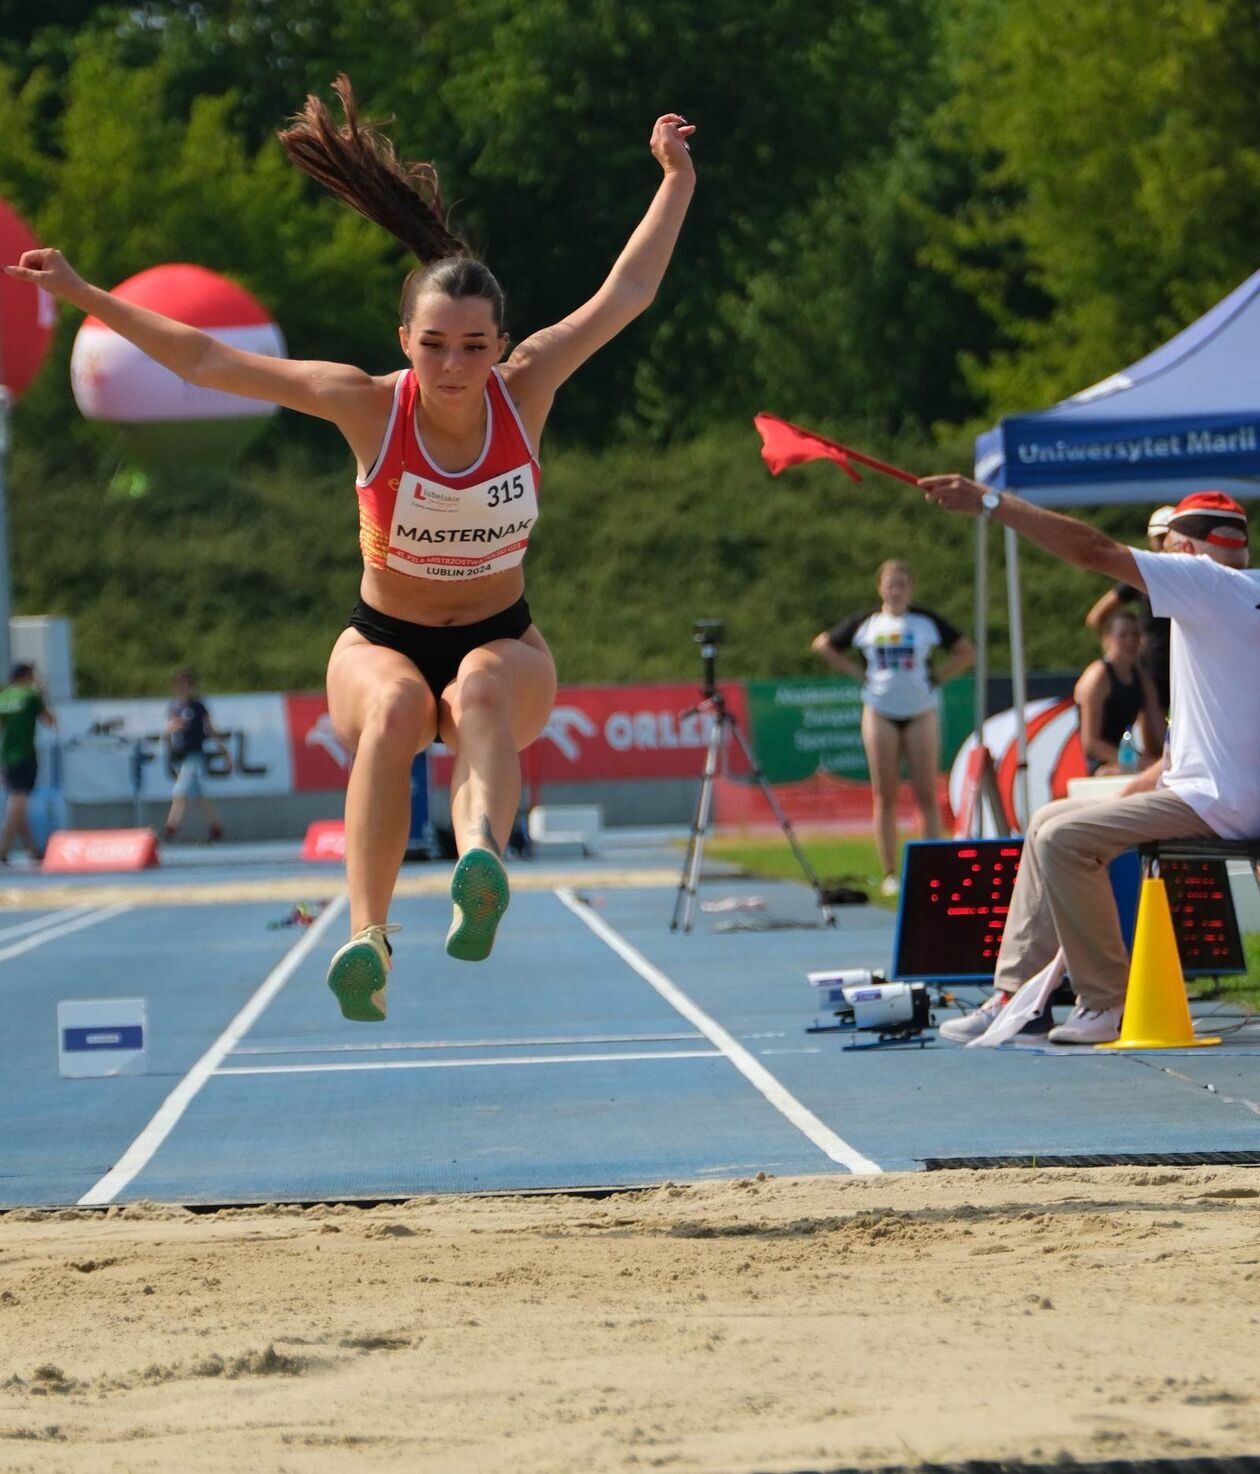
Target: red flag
x=784, y=444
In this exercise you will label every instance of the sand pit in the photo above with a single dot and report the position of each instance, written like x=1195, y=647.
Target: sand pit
x=757, y=1325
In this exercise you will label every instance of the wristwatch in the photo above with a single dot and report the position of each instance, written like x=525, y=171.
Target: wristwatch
x=991, y=500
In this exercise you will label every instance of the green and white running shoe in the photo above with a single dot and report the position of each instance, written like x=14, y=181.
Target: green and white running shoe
x=358, y=973
x=479, y=889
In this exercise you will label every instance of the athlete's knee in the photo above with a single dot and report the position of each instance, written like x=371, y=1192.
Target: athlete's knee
x=397, y=712
x=481, y=691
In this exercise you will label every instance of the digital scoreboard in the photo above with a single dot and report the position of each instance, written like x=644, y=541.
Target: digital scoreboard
x=1203, y=916
x=955, y=896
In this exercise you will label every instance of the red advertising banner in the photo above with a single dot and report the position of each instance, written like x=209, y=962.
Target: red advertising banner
x=594, y=733
x=71, y=851
x=325, y=840
x=317, y=758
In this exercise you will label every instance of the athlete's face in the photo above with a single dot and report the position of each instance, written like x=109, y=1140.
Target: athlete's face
x=452, y=343
x=894, y=590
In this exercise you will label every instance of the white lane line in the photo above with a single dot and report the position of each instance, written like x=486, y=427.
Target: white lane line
x=753, y=1071
x=247, y=1049
x=139, y=1153
x=51, y=918
x=54, y=933
x=464, y=1064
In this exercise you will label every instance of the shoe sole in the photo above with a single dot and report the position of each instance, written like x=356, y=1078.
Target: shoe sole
x=479, y=891
x=356, y=977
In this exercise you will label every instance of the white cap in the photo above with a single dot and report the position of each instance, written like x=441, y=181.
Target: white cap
x=1160, y=518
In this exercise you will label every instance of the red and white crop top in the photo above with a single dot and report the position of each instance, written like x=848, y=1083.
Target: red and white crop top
x=417, y=519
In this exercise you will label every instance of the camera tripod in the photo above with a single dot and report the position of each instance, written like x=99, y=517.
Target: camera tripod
x=724, y=724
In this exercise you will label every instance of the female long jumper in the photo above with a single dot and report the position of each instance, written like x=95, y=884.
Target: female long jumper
x=441, y=643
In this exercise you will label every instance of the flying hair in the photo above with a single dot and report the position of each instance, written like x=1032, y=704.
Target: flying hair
x=356, y=162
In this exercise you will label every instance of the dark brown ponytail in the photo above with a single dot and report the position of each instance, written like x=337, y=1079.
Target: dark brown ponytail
x=357, y=163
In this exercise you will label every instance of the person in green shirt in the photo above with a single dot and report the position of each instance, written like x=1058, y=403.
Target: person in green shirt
x=22, y=704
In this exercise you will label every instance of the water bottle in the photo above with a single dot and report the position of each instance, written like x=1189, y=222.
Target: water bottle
x=1128, y=756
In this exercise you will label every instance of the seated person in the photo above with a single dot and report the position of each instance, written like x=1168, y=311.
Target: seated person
x=1154, y=630
x=1208, y=785
x=1113, y=694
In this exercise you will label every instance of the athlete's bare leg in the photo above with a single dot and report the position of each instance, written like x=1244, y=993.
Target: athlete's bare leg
x=384, y=713
x=882, y=742
x=921, y=741
x=498, y=704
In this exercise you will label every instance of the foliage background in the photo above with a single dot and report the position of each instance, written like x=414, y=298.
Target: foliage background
x=913, y=216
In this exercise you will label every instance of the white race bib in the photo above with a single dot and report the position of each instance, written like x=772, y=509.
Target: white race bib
x=437, y=532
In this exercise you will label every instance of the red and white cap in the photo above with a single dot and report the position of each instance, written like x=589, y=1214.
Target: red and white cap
x=1211, y=517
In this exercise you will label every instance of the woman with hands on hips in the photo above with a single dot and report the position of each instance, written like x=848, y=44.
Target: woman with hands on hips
x=899, y=704
x=441, y=643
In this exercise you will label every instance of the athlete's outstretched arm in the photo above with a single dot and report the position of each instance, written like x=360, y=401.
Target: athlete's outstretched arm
x=546, y=359
x=331, y=391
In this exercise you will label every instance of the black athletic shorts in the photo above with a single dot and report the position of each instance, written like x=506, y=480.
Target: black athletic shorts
x=437, y=649
x=20, y=777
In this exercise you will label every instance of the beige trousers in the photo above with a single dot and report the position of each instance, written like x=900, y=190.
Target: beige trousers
x=1063, y=896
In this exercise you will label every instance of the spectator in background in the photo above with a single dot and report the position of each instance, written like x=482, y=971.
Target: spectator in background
x=188, y=727
x=1114, y=694
x=22, y=704
x=899, y=718
x=1155, y=631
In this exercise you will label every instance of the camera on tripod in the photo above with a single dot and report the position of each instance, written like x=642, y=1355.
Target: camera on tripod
x=708, y=634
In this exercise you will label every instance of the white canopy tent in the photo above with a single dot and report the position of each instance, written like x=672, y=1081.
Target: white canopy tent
x=1184, y=418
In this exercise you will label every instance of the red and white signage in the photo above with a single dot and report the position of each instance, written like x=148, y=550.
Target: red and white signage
x=317, y=759
x=72, y=851
x=594, y=733
x=1052, y=725
x=325, y=840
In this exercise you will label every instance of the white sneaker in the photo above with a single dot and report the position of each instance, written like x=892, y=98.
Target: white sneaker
x=890, y=886
x=1088, y=1026
x=972, y=1025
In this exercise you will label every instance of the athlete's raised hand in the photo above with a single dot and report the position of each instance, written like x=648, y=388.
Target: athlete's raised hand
x=669, y=144
x=49, y=269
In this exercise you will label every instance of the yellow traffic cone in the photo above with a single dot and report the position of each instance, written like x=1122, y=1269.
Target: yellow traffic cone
x=1156, y=1014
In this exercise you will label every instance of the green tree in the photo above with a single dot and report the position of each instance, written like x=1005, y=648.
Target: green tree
x=1121, y=152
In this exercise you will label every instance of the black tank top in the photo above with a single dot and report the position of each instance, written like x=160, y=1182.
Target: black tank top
x=1122, y=706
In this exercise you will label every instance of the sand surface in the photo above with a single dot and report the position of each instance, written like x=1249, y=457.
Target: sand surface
x=772, y=1325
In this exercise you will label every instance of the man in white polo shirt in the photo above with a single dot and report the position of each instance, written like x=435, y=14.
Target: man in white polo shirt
x=1209, y=785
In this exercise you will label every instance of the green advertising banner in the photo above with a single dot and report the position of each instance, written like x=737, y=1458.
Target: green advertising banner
x=802, y=726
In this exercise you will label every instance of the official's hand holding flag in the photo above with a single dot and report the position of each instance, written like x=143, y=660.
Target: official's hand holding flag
x=784, y=444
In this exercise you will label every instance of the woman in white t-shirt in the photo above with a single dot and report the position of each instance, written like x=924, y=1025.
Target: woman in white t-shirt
x=899, y=717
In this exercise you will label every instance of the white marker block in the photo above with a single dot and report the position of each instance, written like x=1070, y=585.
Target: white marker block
x=101, y=1036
